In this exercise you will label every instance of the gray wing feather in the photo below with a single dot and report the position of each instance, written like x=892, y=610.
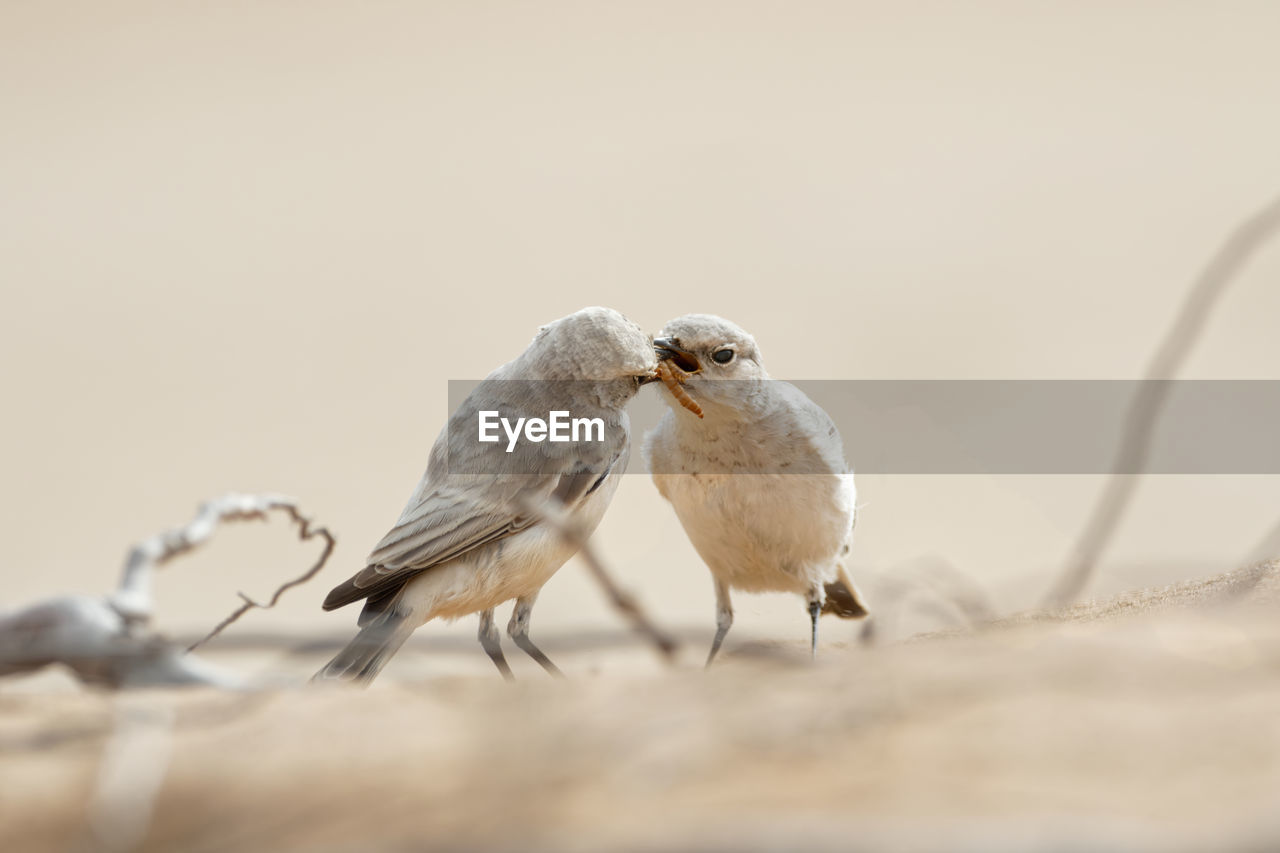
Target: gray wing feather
x=799, y=419
x=451, y=514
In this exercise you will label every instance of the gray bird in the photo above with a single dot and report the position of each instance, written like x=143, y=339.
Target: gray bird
x=470, y=537
x=758, y=480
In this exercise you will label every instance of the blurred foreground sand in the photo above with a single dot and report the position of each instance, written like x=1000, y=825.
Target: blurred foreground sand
x=1148, y=721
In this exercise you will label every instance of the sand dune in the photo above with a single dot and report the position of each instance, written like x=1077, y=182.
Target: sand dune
x=1147, y=721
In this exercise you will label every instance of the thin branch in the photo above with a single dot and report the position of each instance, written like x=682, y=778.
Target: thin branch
x=305, y=532
x=106, y=639
x=1266, y=549
x=1148, y=403
x=572, y=533
x=135, y=760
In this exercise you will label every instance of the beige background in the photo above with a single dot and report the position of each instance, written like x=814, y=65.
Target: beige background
x=244, y=247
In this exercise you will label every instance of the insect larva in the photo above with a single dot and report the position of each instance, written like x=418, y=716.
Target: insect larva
x=673, y=378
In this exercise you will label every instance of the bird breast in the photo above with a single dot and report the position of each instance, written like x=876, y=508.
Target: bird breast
x=764, y=531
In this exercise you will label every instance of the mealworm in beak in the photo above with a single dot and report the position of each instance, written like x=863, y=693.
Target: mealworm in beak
x=673, y=378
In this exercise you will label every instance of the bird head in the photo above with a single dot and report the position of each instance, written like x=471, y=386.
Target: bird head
x=596, y=345
x=719, y=361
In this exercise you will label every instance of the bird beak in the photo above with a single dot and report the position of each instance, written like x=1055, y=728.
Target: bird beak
x=668, y=350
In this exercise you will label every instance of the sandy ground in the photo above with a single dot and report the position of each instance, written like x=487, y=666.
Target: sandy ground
x=1146, y=721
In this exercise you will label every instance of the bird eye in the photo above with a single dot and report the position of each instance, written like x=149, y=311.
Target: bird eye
x=722, y=356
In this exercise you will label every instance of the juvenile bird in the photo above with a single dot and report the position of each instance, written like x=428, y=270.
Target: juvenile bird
x=758, y=479
x=470, y=537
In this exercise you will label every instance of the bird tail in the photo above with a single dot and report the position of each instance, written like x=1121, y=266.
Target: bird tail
x=366, y=654
x=843, y=598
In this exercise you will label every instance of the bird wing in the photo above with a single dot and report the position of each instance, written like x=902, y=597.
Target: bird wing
x=474, y=494
x=444, y=524
x=800, y=422
x=450, y=521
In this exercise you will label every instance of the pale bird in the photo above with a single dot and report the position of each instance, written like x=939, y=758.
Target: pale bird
x=470, y=537
x=759, y=481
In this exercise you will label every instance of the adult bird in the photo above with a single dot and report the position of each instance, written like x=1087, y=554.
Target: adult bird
x=471, y=536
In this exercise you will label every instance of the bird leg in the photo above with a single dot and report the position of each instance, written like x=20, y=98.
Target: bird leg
x=724, y=618
x=815, y=610
x=518, y=629
x=491, y=642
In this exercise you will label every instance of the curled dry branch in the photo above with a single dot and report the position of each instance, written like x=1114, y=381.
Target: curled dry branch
x=107, y=639
x=258, y=508
x=1144, y=411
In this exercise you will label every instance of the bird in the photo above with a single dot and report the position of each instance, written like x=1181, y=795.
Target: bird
x=757, y=478
x=471, y=537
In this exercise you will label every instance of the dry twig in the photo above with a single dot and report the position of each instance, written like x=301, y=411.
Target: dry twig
x=564, y=525
x=135, y=760
x=1145, y=409
x=1267, y=549
x=107, y=640
x=258, y=508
